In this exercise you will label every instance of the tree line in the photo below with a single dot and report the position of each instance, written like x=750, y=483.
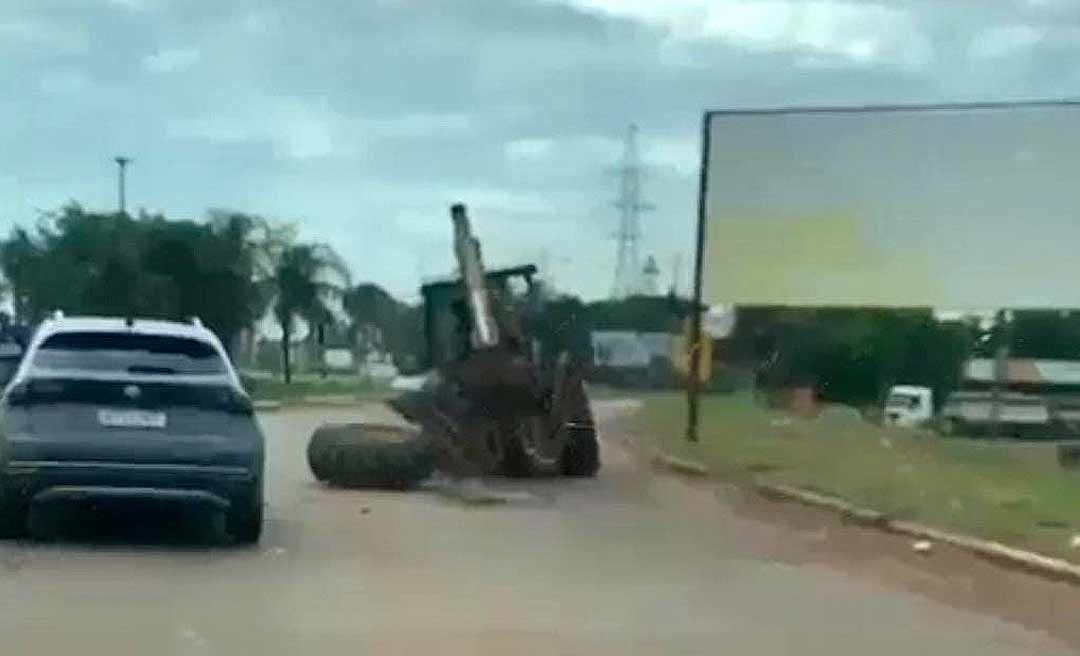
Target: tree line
x=853, y=355
x=233, y=268
x=229, y=270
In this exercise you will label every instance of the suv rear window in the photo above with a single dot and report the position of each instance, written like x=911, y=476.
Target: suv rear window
x=128, y=353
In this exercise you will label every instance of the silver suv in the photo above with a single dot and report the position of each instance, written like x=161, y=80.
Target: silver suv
x=108, y=409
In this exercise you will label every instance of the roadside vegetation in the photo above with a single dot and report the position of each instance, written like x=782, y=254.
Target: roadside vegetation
x=311, y=389
x=1001, y=490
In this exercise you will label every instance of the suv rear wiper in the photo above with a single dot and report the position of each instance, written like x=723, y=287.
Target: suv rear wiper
x=143, y=369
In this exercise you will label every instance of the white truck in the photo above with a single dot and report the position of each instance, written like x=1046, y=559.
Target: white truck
x=1038, y=398
x=909, y=406
x=1019, y=414
x=968, y=412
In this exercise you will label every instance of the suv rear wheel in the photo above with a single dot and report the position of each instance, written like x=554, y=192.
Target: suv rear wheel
x=12, y=518
x=245, y=519
x=245, y=526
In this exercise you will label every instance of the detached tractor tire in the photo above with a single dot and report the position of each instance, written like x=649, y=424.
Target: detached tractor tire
x=370, y=456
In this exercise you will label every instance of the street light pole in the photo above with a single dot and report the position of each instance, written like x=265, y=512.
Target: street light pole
x=121, y=182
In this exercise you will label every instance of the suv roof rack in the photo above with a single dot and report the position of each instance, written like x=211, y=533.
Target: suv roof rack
x=57, y=315
x=196, y=321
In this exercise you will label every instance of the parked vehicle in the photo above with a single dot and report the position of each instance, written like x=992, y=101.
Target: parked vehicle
x=1038, y=398
x=13, y=339
x=909, y=406
x=105, y=410
x=10, y=356
x=1019, y=414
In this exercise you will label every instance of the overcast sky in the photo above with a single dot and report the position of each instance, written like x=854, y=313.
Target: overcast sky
x=363, y=120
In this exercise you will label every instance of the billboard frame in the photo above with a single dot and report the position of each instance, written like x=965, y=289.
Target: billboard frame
x=693, y=385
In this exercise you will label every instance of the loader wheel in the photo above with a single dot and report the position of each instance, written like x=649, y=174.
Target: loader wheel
x=534, y=448
x=484, y=444
x=581, y=456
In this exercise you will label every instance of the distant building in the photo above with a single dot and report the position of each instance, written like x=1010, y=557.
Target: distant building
x=1030, y=372
x=625, y=349
x=637, y=359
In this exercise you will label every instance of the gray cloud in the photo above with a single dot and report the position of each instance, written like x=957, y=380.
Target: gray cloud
x=364, y=120
x=171, y=60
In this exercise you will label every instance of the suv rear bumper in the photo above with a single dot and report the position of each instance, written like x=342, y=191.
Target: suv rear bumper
x=84, y=493
x=48, y=481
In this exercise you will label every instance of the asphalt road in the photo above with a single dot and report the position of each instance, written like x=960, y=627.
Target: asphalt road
x=628, y=563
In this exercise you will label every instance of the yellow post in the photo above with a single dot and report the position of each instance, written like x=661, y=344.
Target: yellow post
x=681, y=357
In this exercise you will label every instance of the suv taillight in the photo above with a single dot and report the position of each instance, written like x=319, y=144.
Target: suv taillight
x=240, y=404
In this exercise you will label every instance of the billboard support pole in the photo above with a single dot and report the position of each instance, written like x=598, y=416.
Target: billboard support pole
x=693, y=384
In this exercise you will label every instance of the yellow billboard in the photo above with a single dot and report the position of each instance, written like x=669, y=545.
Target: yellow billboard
x=965, y=207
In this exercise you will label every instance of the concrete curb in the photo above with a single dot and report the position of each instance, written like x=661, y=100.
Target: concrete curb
x=328, y=400
x=1055, y=568
x=263, y=406
x=681, y=465
x=1047, y=566
x=849, y=512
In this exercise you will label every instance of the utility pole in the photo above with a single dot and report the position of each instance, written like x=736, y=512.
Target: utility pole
x=693, y=383
x=121, y=182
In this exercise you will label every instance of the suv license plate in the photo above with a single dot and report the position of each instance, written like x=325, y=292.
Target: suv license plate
x=131, y=418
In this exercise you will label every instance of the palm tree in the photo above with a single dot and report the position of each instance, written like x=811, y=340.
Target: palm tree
x=306, y=278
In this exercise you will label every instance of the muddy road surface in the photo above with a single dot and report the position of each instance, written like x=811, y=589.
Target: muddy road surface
x=631, y=562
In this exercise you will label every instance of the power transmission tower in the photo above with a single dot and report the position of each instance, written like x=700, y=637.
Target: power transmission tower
x=628, y=271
